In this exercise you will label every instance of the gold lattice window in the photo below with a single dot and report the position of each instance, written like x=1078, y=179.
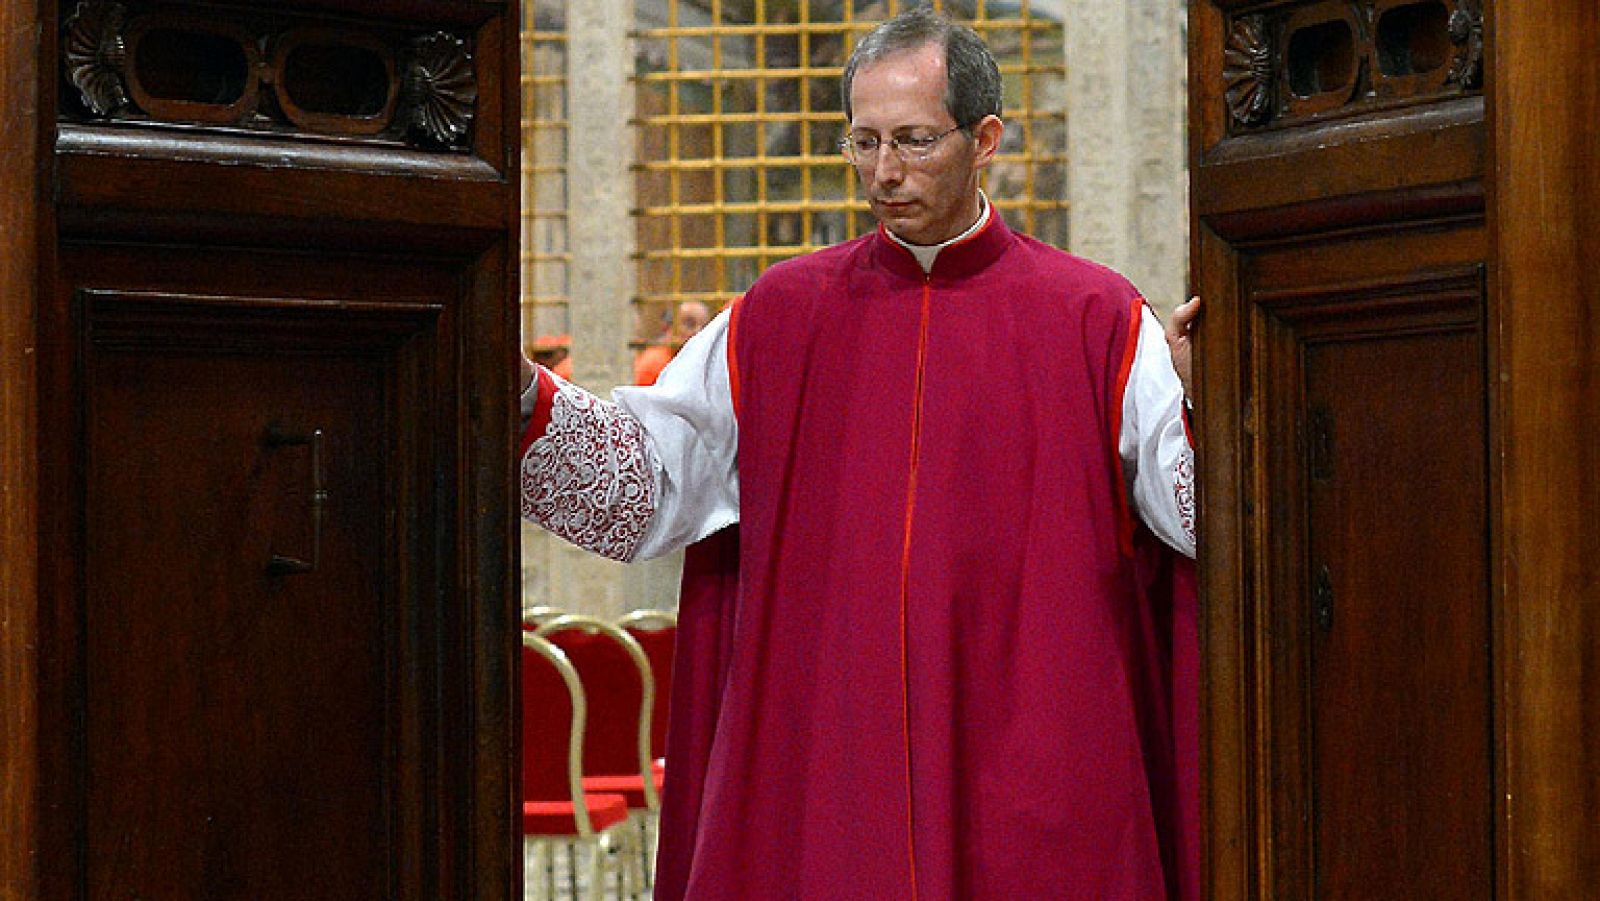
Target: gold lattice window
x=545, y=255
x=738, y=118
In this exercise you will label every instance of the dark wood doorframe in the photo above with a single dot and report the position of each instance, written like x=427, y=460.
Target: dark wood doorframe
x=21, y=218
x=1545, y=301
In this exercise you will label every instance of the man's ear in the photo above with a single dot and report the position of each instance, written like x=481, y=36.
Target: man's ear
x=986, y=135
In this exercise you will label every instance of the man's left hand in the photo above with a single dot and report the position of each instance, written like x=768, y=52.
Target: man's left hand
x=1180, y=342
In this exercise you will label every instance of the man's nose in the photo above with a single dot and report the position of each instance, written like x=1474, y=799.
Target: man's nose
x=891, y=169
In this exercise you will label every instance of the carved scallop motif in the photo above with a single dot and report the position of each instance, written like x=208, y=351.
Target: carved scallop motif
x=1466, y=31
x=441, y=89
x=324, y=79
x=1247, y=71
x=95, y=54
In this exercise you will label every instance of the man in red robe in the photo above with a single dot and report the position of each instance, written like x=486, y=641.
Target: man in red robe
x=948, y=652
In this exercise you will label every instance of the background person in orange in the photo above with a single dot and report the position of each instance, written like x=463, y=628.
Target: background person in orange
x=690, y=317
x=554, y=352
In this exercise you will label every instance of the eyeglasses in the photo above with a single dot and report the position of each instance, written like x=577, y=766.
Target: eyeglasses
x=863, y=150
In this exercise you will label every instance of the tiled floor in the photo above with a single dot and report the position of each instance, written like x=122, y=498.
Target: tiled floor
x=561, y=872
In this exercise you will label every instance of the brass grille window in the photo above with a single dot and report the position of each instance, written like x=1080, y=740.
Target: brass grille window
x=738, y=113
x=545, y=255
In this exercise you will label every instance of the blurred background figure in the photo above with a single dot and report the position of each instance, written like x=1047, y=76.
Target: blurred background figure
x=554, y=352
x=687, y=321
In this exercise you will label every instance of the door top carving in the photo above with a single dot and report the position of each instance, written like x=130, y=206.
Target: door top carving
x=164, y=63
x=1308, y=61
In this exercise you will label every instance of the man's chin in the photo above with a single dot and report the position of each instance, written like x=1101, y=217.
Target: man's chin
x=903, y=221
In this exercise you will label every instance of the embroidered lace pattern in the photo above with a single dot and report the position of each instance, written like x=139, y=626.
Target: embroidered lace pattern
x=1183, y=493
x=588, y=478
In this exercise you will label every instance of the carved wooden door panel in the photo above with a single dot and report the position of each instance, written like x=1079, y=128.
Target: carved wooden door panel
x=237, y=641
x=1376, y=630
x=275, y=401
x=252, y=660
x=1398, y=690
x=1345, y=446
x=267, y=609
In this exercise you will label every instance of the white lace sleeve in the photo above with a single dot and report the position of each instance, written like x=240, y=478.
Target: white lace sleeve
x=689, y=424
x=1156, y=455
x=645, y=474
x=589, y=478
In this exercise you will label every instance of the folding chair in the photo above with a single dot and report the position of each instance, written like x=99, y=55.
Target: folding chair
x=617, y=682
x=556, y=810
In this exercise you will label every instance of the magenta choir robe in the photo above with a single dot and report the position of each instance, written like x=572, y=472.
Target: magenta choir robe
x=938, y=658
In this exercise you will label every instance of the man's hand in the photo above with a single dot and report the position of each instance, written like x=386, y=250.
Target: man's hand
x=1180, y=343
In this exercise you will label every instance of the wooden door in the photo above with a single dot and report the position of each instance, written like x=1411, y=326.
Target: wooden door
x=240, y=707
x=274, y=620
x=1374, y=489
x=1391, y=388
x=251, y=591
x=1399, y=653
x=1342, y=231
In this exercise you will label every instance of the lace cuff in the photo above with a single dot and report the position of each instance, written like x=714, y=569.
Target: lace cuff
x=587, y=475
x=1183, y=494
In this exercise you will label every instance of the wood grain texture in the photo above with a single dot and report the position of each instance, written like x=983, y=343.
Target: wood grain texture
x=1365, y=169
x=19, y=222
x=1509, y=181
x=1544, y=103
x=1230, y=780
x=191, y=285
x=1376, y=589
x=1341, y=261
x=1230, y=783
x=205, y=187
x=245, y=717
x=496, y=628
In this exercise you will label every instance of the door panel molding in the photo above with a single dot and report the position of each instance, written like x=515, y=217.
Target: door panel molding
x=1416, y=321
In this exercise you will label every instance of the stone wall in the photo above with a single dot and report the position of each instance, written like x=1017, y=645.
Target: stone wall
x=1126, y=134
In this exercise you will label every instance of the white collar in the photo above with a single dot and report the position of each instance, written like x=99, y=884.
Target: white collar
x=927, y=253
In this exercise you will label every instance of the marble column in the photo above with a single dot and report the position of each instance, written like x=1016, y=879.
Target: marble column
x=1126, y=136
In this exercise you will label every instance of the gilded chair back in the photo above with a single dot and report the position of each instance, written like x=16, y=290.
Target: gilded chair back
x=554, y=713
x=620, y=691
x=657, y=634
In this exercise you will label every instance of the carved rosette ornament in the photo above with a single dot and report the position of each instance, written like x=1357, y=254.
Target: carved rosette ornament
x=402, y=87
x=441, y=90
x=95, y=54
x=1466, y=32
x=1247, y=70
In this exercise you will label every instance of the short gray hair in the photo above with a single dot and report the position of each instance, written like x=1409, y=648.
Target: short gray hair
x=973, y=87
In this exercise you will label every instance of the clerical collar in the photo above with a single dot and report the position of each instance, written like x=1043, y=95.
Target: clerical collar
x=927, y=253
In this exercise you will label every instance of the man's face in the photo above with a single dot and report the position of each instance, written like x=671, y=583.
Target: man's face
x=923, y=201
x=692, y=317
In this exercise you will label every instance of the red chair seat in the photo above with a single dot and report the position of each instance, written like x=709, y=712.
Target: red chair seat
x=630, y=786
x=556, y=817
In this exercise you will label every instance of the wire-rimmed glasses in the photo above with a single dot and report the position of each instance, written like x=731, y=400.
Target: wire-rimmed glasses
x=863, y=150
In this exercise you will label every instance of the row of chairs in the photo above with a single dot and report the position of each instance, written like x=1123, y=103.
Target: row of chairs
x=594, y=711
